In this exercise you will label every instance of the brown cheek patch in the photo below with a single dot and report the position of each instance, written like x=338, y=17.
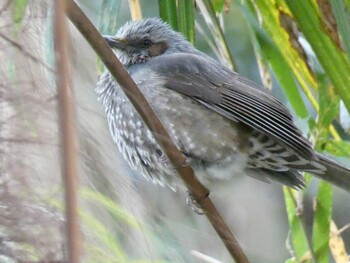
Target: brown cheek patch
x=158, y=49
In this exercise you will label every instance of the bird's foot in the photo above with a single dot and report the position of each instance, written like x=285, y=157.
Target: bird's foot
x=185, y=164
x=195, y=206
x=164, y=160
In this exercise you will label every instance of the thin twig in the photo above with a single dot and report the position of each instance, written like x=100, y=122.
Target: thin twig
x=67, y=130
x=344, y=228
x=141, y=105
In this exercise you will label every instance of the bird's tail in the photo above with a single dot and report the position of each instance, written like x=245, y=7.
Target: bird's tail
x=335, y=173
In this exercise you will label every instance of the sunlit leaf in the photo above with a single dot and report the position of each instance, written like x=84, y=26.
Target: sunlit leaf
x=270, y=13
x=333, y=60
x=337, y=245
x=338, y=148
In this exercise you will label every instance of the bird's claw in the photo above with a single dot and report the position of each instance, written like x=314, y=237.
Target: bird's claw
x=185, y=164
x=195, y=206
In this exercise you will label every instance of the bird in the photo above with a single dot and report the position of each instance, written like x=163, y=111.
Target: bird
x=224, y=124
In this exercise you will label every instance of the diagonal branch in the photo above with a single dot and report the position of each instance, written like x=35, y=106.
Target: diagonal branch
x=200, y=193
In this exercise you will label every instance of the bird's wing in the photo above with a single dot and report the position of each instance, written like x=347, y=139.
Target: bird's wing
x=231, y=95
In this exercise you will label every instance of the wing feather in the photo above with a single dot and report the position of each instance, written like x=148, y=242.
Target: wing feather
x=230, y=95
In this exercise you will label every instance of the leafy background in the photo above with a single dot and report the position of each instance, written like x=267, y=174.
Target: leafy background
x=296, y=49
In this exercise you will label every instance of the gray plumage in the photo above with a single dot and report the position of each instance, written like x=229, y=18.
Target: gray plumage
x=223, y=123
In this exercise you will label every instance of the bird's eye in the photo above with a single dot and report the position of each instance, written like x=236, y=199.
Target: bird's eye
x=147, y=42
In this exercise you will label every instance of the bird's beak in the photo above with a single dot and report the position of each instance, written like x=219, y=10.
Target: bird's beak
x=114, y=42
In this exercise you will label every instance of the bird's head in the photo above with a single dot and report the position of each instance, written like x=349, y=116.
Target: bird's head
x=139, y=41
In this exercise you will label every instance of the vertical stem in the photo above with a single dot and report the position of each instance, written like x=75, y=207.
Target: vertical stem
x=182, y=19
x=135, y=9
x=67, y=130
x=190, y=20
x=168, y=12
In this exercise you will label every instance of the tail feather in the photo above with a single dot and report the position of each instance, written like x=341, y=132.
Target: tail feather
x=335, y=173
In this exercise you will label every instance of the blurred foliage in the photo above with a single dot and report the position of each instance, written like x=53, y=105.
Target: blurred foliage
x=106, y=243
x=18, y=12
x=107, y=23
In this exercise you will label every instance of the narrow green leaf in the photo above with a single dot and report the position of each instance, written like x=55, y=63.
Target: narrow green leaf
x=218, y=5
x=338, y=148
x=298, y=235
x=329, y=108
x=190, y=20
x=182, y=18
x=101, y=233
x=342, y=15
x=278, y=64
x=18, y=11
x=186, y=18
x=263, y=64
x=333, y=60
x=270, y=13
x=322, y=220
x=168, y=12
x=206, y=8
x=111, y=206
